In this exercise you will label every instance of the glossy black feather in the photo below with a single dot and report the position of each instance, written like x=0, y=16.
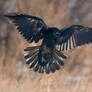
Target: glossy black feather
x=75, y=35
x=47, y=57
x=30, y=27
x=36, y=67
x=31, y=48
x=30, y=54
x=52, y=68
x=34, y=62
x=32, y=58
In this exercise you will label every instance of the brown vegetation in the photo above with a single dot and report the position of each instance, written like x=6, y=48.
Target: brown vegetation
x=75, y=76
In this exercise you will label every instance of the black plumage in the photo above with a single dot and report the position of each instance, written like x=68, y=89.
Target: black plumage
x=48, y=57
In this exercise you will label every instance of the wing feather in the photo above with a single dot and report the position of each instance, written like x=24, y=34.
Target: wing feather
x=75, y=35
x=31, y=27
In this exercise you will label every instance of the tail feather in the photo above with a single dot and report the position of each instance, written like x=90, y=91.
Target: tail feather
x=58, y=60
x=52, y=67
x=30, y=54
x=41, y=70
x=36, y=67
x=48, y=63
x=32, y=58
x=61, y=54
x=34, y=62
x=47, y=69
x=56, y=66
x=31, y=48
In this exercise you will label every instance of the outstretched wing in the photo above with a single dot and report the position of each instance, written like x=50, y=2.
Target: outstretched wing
x=73, y=36
x=31, y=27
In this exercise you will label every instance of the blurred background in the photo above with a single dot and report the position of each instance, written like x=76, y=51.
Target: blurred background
x=75, y=76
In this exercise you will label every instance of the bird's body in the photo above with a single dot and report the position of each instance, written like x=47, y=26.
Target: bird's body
x=48, y=57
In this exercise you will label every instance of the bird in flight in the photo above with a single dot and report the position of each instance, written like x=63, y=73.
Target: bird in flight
x=48, y=57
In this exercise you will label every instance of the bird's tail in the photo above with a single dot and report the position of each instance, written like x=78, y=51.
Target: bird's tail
x=43, y=63
x=55, y=62
x=32, y=56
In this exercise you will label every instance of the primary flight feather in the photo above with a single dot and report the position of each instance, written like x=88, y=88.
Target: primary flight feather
x=48, y=57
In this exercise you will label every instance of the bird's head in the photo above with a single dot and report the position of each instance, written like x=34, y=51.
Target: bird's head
x=54, y=34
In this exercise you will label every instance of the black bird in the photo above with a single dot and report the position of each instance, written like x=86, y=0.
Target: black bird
x=48, y=57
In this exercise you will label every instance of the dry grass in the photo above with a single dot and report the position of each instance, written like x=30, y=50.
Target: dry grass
x=75, y=76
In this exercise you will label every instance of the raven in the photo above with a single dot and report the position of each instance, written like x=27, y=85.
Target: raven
x=48, y=57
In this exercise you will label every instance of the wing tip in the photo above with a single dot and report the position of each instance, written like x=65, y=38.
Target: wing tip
x=9, y=14
x=13, y=14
